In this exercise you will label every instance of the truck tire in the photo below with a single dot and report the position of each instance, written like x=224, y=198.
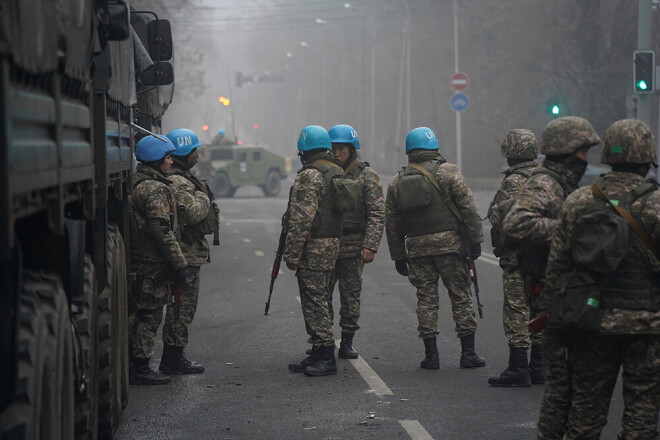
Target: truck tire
x=113, y=338
x=85, y=321
x=272, y=185
x=221, y=186
x=43, y=400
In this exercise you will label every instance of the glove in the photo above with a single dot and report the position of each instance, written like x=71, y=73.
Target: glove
x=402, y=267
x=475, y=250
x=179, y=277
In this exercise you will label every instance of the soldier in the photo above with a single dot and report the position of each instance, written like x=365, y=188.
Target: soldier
x=363, y=229
x=196, y=219
x=532, y=220
x=312, y=246
x=156, y=257
x=628, y=334
x=430, y=214
x=519, y=148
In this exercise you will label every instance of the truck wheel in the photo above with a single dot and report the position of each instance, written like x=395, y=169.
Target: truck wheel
x=43, y=400
x=221, y=186
x=272, y=186
x=113, y=338
x=85, y=321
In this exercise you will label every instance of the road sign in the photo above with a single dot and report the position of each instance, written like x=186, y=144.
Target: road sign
x=459, y=81
x=459, y=102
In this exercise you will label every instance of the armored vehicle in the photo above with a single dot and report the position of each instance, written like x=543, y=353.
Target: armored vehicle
x=228, y=166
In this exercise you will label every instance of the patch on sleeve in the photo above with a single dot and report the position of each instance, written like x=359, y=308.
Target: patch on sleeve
x=300, y=194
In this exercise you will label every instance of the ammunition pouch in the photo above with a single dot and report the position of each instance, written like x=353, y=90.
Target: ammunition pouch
x=575, y=304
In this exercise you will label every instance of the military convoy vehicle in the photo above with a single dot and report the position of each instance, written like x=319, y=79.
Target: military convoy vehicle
x=76, y=79
x=228, y=166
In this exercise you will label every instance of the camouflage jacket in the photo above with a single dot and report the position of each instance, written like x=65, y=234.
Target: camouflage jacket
x=452, y=182
x=154, y=247
x=508, y=189
x=613, y=321
x=192, y=208
x=351, y=244
x=534, y=214
x=302, y=251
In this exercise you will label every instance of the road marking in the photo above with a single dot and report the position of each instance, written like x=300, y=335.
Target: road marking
x=415, y=430
x=369, y=375
x=259, y=253
x=490, y=258
x=247, y=240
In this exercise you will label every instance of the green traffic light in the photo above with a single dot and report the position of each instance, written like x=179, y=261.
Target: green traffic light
x=641, y=85
x=555, y=109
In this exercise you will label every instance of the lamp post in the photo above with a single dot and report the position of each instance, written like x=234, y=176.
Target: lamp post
x=323, y=76
x=341, y=57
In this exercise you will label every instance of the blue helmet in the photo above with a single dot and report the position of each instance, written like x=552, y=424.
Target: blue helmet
x=184, y=140
x=152, y=148
x=313, y=137
x=344, y=134
x=421, y=138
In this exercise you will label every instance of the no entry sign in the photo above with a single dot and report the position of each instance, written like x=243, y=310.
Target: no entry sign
x=459, y=81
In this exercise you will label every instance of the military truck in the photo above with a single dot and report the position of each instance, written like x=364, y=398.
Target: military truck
x=75, y=77
x=228, y=166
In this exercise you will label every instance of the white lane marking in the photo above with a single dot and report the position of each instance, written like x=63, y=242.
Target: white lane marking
x=247, y=240
x=415, y=430
x=259, y=253
x=490, y=258
x=369, y=375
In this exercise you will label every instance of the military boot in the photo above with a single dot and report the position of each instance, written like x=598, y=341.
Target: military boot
x=325, y=364
x=346, y=350
x=469, y=358
x=299, y=367
x=139, y=373
x=432, y=359
x=174, y=362
x=517, y=374
x=537, y=365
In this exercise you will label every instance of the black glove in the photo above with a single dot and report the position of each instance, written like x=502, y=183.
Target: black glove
x=475, y=250
x=179, y=277
x=402, y=267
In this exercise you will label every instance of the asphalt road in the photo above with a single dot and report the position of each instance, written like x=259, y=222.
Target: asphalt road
x=247, y=391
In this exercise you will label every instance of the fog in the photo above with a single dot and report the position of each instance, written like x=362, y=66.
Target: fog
x=383, y=66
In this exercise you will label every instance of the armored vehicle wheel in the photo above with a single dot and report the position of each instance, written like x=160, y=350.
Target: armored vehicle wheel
x=221, y=186
x=272, y=185
x=43, y=400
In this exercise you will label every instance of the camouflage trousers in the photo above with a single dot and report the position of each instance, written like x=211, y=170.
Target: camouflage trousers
x=148, y=298
x=314, y=287
x=515, y=308
x=175, y=331
x=348, y=271
x=558, y=393
x=424, y=273
x=596, y=362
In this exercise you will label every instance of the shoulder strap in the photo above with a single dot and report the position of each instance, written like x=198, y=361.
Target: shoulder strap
x=448, y=201
x=351, y=165
x=525, y=172
x=629, y=218
x=327, y=162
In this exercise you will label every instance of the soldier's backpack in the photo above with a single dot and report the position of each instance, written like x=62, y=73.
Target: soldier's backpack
x=344, y=191
x=416, y=191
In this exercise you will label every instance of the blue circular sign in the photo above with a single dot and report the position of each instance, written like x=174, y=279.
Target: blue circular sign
x=459, y=102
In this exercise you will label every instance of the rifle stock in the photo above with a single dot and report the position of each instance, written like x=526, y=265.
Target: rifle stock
x=473, y=272
x=278, y=258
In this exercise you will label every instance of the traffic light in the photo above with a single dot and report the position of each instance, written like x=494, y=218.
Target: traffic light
x=553, y=107
x=643, y=71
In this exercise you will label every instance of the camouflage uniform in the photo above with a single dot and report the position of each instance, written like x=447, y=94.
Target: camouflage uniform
x=627, y=338
x=154, y=253
x=349, y=265
x=314, y=258
x=438, y=254
x=193, y=207
x=533, y=219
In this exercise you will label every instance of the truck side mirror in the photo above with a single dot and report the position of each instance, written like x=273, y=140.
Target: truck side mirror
x=119, y=25
x=160, y=74
x=159, y=36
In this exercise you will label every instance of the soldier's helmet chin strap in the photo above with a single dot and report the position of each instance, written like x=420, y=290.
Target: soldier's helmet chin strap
x=160, y=137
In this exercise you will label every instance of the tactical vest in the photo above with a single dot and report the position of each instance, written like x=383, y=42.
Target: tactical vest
x=632, y=286
x=192, y=233
x=356, y=220
x=432, y=214
x=327, y=222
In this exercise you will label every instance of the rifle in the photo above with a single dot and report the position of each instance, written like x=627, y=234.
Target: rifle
x=216, y=229
x=473, y=274
x=278, y=257
x=176, y=301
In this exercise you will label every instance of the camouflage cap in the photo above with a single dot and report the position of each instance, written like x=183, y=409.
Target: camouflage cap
x=519, y=144
x=629, y=141
x=567, y=135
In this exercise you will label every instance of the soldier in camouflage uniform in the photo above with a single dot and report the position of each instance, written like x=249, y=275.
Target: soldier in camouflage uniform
x=193, y=199
x=519, y=148
x=532, y=220
x=363, y=229
x=429, y=215
x=312, y=246
x=156, y=258
x=628, y=335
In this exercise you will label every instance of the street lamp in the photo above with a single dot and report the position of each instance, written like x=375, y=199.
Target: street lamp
x=341, y=58
x=323, y=75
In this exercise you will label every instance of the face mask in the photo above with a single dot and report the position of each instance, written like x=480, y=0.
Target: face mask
x=652, y=173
